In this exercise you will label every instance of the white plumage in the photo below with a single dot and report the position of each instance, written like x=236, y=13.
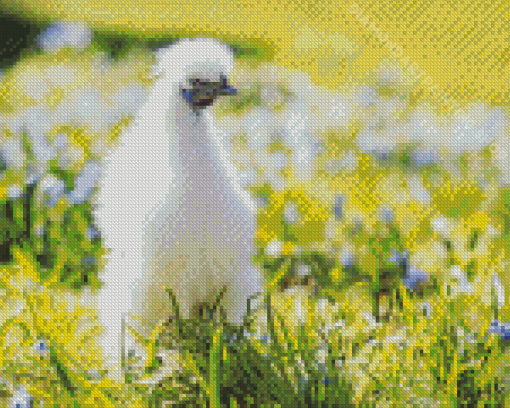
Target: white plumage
x=170, y=209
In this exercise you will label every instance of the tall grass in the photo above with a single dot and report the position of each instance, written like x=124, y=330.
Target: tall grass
x=385, y=297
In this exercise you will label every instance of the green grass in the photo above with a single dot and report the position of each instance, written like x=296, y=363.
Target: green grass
x=345, y=351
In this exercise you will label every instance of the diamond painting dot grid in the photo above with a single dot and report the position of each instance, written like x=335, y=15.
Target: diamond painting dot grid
x=326, y=239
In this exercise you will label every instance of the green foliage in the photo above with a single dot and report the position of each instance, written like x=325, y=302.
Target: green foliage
x=357, y=337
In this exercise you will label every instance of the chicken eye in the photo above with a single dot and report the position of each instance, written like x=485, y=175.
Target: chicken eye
x=200, y=94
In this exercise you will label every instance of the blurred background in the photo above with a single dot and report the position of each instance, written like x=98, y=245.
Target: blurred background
x=384, y=226
x=16, y=36
x=448, y=41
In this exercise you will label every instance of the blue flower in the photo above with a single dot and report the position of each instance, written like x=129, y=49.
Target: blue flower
x=15, y=192
x=423, y=157
x=92, y=232
x=502, y=329
x=55, y=192
x=347, y=258
x=387, y=214
x=51, y=190
x=85, y=183
x=62, y=35
x=413, y=275
x=395, y=257
x=21, y=399
x=366, y=96
x=40, y=346
x=338, y=207
x=88, y=260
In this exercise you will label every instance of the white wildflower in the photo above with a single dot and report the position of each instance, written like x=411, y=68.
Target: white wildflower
x=129, y=99
x=33, y=85
x=372, y=140
x=382, y=131
x=21, y=398
x=499, y=288
x=38, y=125
x=424, y=128
x=276, y=181
x=463, y=285
x=272, y=96
x=85, y=183
x=304, y=270
x=260, y=126
x=390, y=74
x=426, y=307
x=301, y=85
x=348, y=162
x=274, y=248
x=72, y=157
x=347, y=257
x=15, y=191
x=291, y=213
x=91, y=109
x=51, y=190
x=278, y=161
x=58, y=36
x=329, y=110
x=473, y=130
x=370, y=320
x=12, y=153
x=365, y=96
x=441, y=225
x=298, y=137
x=247, y=177
x=418, y=191
x=60, y=75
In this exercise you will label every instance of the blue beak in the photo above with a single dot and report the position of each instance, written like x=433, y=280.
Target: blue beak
x=228, y=90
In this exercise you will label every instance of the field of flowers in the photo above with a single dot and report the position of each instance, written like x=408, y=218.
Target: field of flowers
x=383, y=231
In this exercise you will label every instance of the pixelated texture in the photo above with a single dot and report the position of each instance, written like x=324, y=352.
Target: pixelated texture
x=455, y=47
x=376, y=213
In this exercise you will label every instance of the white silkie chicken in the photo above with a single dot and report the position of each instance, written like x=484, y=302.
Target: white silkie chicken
x=169, y=207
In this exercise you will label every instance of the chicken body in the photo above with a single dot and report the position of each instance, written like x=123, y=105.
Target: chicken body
x=169, y=207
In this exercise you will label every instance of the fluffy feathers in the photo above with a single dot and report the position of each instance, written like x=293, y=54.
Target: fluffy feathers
x=169, y=207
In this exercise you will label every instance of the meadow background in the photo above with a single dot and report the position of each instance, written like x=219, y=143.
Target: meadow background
x=383, y=223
